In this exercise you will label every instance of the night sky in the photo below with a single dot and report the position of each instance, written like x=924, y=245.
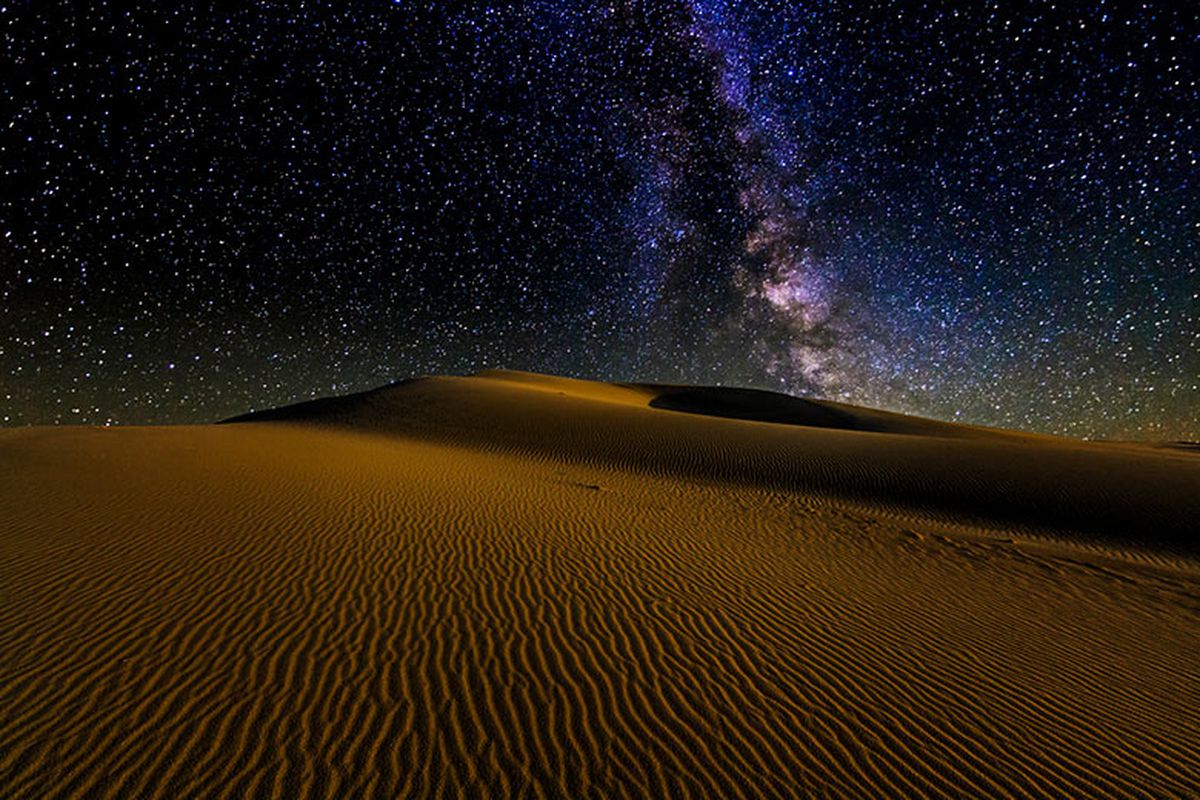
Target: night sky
x=984, y=212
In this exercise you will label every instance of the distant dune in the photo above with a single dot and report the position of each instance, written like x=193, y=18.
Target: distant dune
x=518, y=585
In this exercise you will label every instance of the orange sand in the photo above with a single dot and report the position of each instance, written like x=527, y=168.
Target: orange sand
x=519, y=585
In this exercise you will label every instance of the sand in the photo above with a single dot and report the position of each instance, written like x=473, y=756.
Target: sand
x=514, y=585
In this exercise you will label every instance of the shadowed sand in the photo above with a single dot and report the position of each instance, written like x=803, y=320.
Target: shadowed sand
x=516, y=585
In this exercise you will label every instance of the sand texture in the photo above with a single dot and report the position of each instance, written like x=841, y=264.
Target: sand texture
x=519, y=586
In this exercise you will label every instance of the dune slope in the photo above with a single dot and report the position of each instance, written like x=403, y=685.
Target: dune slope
x=518, y=585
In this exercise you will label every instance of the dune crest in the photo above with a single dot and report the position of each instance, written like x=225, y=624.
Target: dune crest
x=515, y=585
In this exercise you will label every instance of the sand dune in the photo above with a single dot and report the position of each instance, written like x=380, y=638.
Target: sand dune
x=514, y=585
x=905, y=464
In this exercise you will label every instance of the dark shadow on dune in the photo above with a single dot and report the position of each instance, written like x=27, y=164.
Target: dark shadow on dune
x=757, y=405
x=323, y=407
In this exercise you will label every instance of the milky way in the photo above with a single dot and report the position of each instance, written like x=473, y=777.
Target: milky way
x=987, y=213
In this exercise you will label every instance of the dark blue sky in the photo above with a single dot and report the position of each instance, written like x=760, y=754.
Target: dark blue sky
x=984, y=213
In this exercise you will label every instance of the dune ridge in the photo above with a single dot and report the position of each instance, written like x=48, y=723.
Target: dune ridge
x=482, y=586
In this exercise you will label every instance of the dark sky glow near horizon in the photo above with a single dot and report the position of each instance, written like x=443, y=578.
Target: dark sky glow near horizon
x=986, y=212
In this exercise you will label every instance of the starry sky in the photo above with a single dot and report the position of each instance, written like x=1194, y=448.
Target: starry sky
x=986, y=211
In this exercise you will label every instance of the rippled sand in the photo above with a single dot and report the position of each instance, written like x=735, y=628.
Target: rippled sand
x=516, y=585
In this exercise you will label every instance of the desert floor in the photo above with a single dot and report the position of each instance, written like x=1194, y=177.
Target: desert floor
x=513, y=585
